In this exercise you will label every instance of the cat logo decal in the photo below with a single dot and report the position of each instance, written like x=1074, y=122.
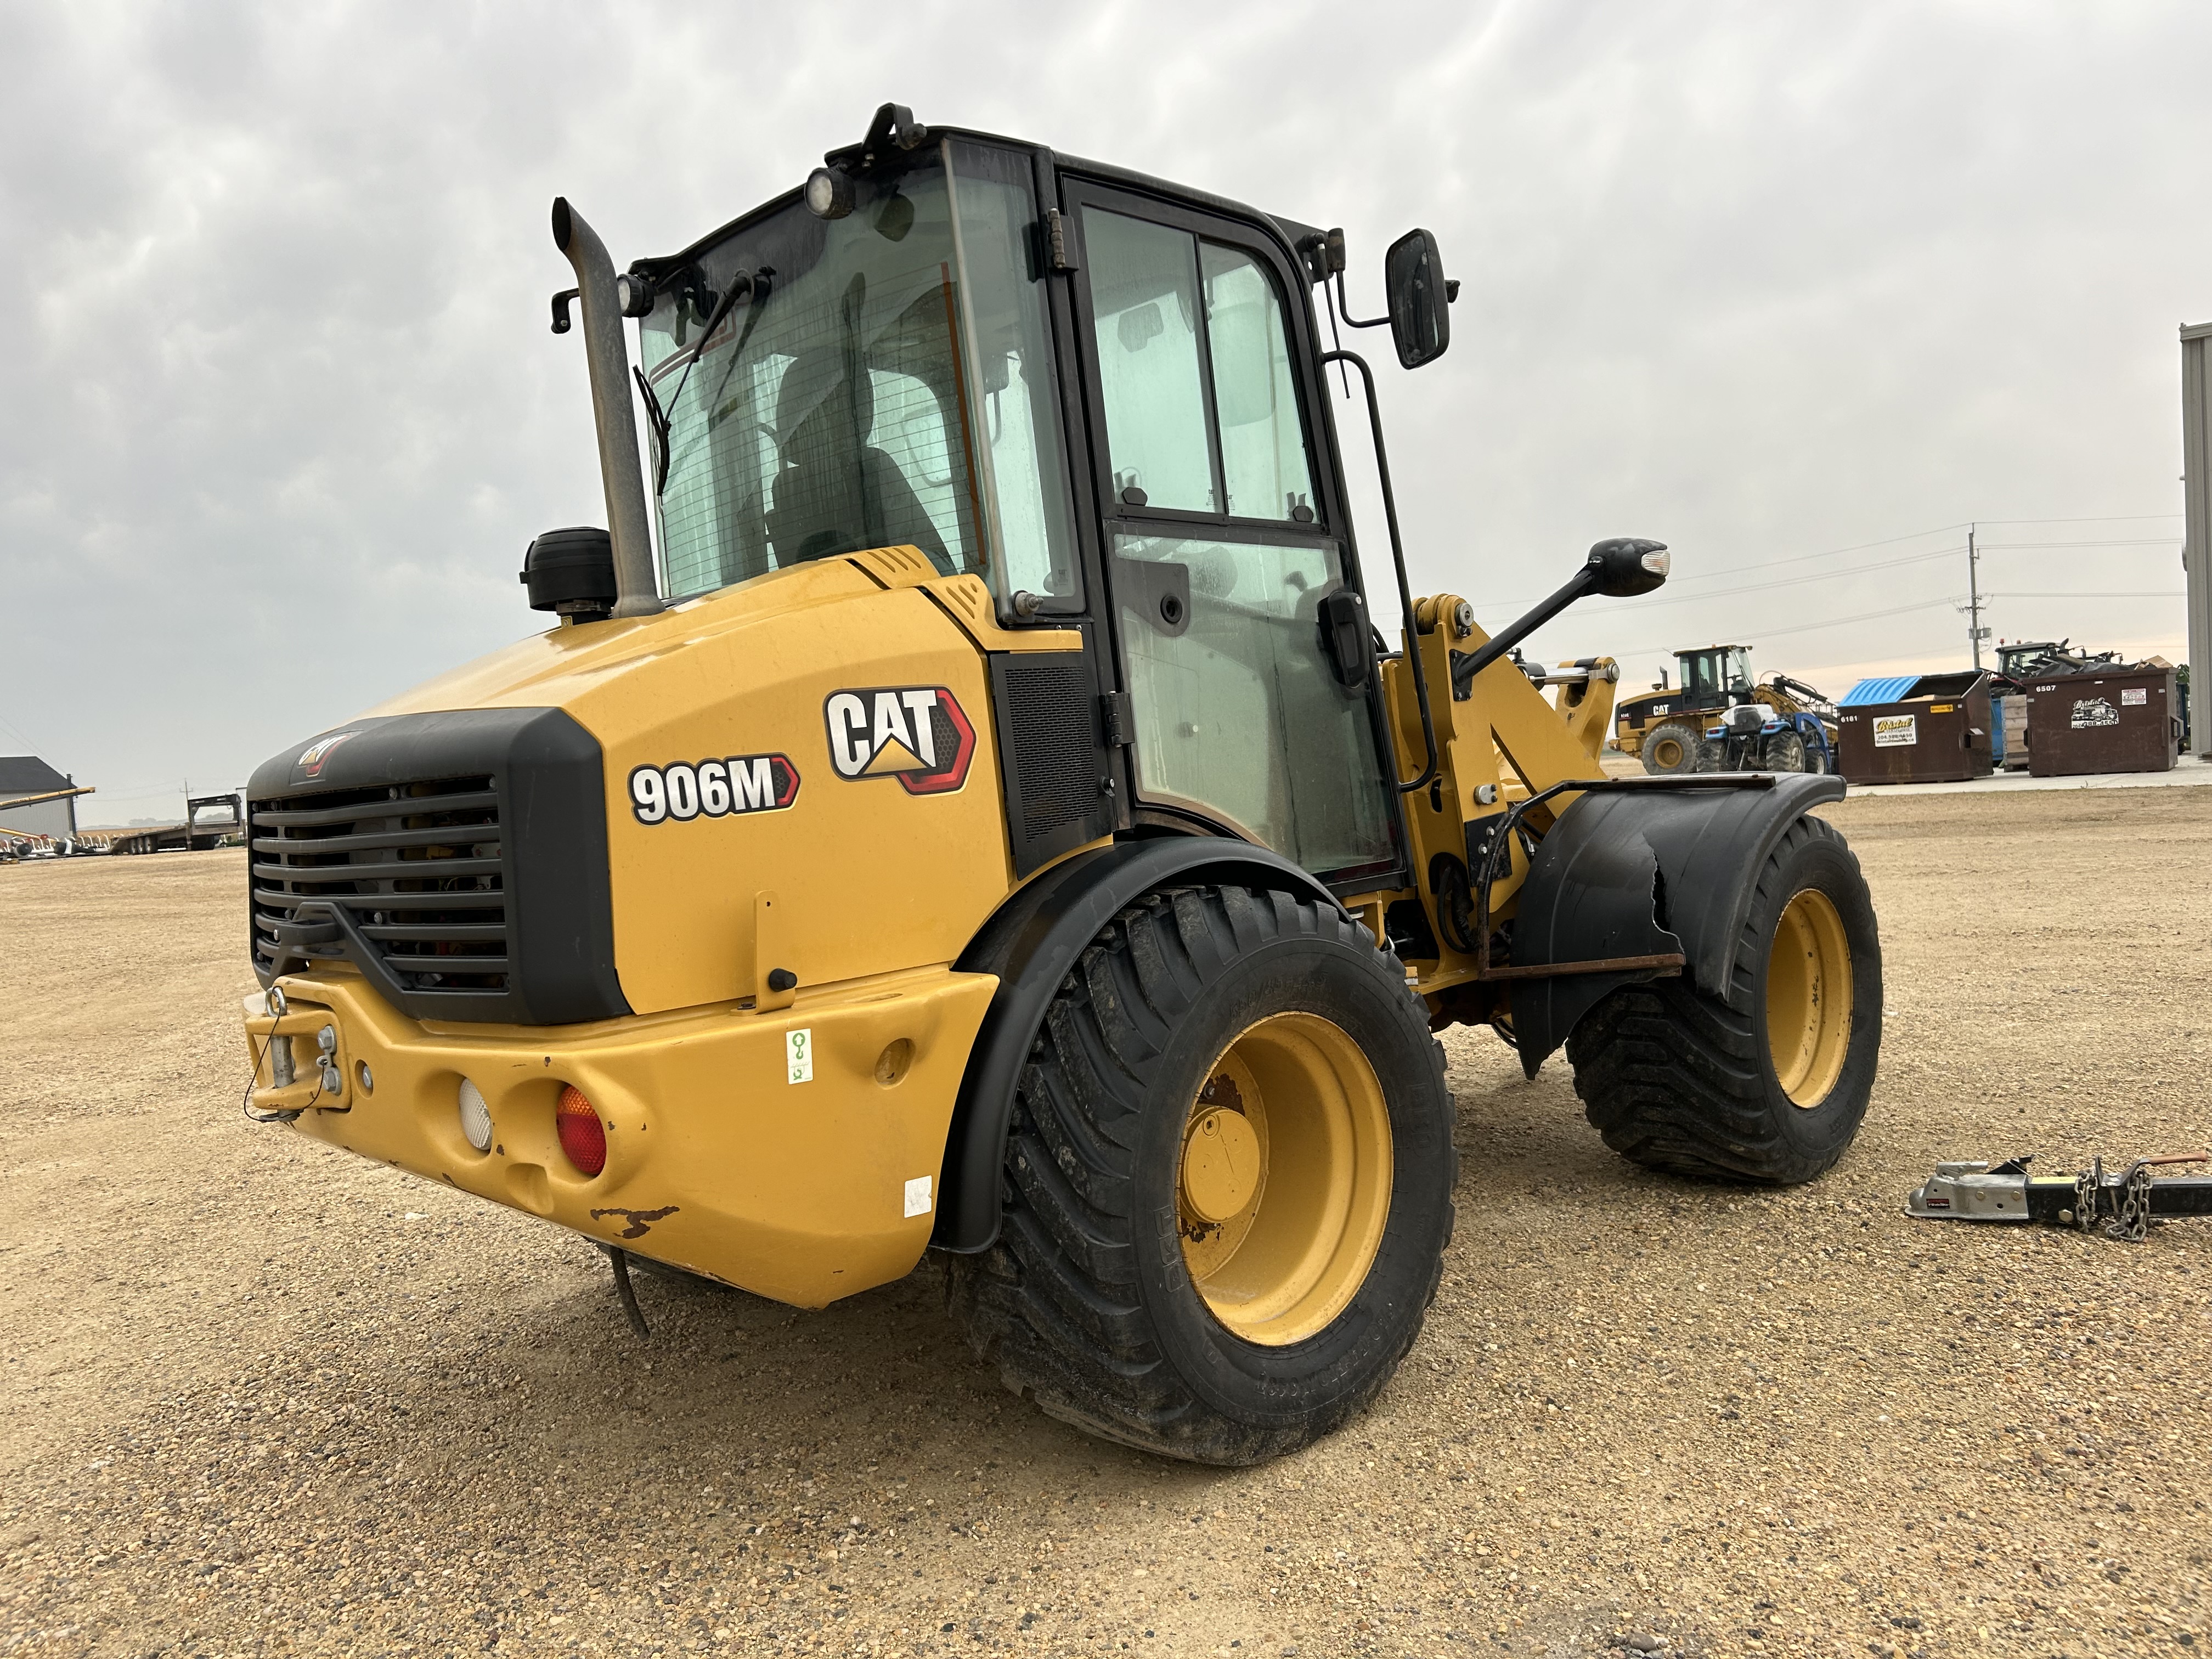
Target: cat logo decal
x=313, y=757
x=918, y=734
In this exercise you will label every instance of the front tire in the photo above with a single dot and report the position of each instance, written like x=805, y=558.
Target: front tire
x=1769, y=1083
x=1228, y=1185
x=1671, y=749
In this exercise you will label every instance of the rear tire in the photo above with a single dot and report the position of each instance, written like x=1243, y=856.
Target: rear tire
x=1670, y=748
x=1228, y=1184
x=1770, y=1083
x=1786, y=752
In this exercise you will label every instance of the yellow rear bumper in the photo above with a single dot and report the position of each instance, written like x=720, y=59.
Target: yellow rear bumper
x=717, y=1160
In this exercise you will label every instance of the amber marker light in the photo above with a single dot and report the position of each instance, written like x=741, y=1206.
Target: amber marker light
x=583, y=1137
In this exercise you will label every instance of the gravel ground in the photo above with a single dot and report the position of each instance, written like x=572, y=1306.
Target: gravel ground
x=263, y=1398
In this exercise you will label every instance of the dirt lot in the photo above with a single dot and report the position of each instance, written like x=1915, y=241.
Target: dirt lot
x=263, y=1398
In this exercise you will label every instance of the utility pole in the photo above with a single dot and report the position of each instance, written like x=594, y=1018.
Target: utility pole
x=1973, y=598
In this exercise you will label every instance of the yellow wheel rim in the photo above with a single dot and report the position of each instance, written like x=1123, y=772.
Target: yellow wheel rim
x=1667, y=752
x=1808, y=998
x=1283, y=1187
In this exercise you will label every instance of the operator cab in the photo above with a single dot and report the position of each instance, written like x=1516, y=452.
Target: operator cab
x=1714, y=676
x=1099, y=393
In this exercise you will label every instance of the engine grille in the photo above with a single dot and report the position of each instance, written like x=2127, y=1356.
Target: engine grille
x=1052, y=757
x=420, y=868
x=1056, y=722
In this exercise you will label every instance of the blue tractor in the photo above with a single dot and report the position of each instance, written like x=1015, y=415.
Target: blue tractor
x=1720, y=720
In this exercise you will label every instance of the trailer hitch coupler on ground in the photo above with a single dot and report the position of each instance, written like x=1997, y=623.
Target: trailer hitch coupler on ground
x=2124, y=1203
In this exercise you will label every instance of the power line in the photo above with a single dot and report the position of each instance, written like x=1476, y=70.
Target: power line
x=1798, y=558
x=1829, y=553
x=22, y=737
x=2132, y=593
x=2114, y=518
x=1789, y=582
x=2146, y=541
x=1753, y=636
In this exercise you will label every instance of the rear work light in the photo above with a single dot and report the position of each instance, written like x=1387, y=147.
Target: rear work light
x=583, y=1137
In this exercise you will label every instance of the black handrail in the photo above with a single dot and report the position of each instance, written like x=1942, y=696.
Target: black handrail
x=1398, y=558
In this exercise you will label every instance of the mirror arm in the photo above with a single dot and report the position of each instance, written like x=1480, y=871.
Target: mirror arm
x=1344, y=307
x=1398, y=558
x=1467, y=665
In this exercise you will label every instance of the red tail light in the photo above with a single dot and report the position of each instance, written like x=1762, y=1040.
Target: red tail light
x=583, y=1137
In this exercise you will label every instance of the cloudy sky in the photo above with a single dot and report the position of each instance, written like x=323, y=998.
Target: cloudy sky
x=1800, y=289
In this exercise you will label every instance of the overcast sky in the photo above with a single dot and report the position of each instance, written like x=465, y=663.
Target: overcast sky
x=1763, y=281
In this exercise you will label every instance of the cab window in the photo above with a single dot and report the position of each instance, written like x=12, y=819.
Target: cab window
x=1194, y=368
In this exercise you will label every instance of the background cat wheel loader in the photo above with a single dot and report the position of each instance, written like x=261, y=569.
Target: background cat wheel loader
x=1695, y=727
x=965, y=805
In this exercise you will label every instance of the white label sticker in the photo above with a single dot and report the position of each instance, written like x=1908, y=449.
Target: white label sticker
x=1895, y=731
x=917, y=1196
x=799, y=1056
x=2136, y=698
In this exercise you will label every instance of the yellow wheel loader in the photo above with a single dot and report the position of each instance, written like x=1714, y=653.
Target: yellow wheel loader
x=1696, y=726
x=984, y=820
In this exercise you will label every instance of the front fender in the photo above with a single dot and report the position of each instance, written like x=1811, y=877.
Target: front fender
x=1031, y=944
x=1637, y=873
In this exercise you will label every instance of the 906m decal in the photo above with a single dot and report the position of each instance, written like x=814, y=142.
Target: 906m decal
x=918, y=734
x=713, y=788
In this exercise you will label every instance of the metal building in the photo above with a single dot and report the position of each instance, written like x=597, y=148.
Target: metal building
x=2196, y=551
x=36, y=800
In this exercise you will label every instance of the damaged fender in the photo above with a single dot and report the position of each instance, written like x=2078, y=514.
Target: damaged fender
x=1639, y=873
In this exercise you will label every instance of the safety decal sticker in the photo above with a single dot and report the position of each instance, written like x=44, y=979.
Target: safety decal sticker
x=2093, y=711
x=2137, y=697
x=918, y=734
x=1896, y=731
x=313, y=757
x=684, y=790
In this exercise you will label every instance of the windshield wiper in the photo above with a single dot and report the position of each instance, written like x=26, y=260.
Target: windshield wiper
x=753, y=284
x=658, y=417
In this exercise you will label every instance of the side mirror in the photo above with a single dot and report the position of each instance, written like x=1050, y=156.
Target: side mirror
x=1626, y=566
x=1413, y=277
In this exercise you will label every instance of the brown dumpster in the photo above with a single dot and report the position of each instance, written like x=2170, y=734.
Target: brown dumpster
x=2125, y=720
x=1916, y=728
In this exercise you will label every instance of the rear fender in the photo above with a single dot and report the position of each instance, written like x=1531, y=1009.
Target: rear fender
x=1031, y=943
x=1635, y=873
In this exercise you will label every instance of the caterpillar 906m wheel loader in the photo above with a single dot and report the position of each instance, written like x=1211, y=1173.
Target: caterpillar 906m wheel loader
x=985, y=819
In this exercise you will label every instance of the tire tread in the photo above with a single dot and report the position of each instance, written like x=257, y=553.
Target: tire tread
x=1675, y=1080
x=1054, y=1304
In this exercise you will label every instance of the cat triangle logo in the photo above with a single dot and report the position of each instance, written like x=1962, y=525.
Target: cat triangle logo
x=918, y=734
x=893, y=756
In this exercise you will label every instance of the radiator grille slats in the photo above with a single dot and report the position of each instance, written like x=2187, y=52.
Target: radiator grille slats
x=287, y=815
x=420, y=868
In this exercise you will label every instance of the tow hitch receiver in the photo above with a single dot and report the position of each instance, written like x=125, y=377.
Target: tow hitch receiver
x=2123, y=1204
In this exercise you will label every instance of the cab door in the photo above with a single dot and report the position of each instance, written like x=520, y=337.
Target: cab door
x=1220, y=547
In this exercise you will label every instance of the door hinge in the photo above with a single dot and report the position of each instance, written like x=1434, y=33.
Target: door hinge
x=1057, y=257
x=1117, y=717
